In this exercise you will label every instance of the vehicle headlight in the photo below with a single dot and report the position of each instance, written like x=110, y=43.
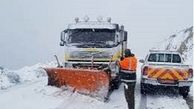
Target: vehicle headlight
x=114, y=67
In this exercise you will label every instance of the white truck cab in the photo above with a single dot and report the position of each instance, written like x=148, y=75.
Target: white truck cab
x=94, y=44
x=97, y=42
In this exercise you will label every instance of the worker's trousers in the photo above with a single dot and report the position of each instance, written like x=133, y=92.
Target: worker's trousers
x=129, y=79
x=129, y=90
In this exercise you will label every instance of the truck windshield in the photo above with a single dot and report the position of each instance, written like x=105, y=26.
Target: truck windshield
x=92, y=37
x=161, y=57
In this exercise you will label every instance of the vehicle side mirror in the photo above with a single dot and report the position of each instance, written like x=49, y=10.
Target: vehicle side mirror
x=62, y=43
x=183, y=59
x=142, y=61
x=122, y=28
x=125, y=36
x=63, y=38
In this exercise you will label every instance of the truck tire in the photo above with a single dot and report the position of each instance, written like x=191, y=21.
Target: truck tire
x=143, y=88
x=184, y=91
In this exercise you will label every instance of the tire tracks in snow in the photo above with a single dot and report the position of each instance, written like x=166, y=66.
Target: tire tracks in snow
x=189, y=101
x=155, y=100
x=143, y=102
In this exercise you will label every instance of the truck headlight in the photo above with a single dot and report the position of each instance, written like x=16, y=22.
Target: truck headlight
x=114, y=67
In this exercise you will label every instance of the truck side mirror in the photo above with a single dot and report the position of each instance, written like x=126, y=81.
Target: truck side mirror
x=125, y=36
x=183, y=60
x=142, y=61
x=62, y=43
x=63, y=38
x=122, y=28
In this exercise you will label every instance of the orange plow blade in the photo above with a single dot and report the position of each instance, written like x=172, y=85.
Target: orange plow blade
x=86, y=81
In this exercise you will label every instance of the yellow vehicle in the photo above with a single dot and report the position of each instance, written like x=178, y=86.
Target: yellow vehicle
x=91, y=49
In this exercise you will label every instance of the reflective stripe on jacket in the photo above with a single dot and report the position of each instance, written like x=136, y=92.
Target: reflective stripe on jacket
x=127, y=77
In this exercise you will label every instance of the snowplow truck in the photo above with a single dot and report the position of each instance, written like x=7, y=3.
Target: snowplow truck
x=164, y=68
x=91, y=49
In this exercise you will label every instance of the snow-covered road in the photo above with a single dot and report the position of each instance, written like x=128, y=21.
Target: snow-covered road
x=36, y=95
x=163, y=101
x=28, y=96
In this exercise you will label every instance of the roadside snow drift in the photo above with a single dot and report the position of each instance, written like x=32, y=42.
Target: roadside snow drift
x=9, y=78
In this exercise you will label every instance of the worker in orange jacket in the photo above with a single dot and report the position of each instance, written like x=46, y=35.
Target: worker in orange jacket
x=127, y=73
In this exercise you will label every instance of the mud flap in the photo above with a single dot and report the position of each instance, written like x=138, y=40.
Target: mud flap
x=91, y=82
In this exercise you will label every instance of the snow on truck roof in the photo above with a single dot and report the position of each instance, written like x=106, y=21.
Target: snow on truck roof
x=163, y=51
x=93, y=24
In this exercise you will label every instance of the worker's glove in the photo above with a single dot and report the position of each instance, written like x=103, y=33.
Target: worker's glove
x=121, y=58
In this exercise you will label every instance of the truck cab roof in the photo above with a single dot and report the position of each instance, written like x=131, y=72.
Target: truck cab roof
x=93, y=25
x=164, y=51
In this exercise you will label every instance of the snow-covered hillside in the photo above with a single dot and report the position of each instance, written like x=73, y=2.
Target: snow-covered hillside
x=181, y=42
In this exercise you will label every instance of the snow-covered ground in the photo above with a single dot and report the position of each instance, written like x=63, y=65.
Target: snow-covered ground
x=35, y=94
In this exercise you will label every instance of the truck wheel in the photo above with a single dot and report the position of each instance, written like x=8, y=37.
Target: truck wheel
x=184, y=91
x=144, y=88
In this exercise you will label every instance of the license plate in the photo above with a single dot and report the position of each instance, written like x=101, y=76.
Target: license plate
x=167, y=81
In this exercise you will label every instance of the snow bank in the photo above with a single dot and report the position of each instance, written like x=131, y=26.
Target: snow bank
x=31, y=73
x=9, y=78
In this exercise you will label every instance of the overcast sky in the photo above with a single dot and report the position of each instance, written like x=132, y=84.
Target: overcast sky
x=30, y=29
